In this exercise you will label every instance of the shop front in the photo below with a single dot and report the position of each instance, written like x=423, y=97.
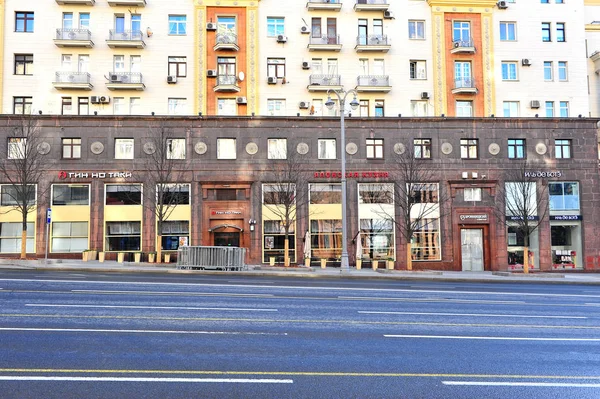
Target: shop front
x=472, y=237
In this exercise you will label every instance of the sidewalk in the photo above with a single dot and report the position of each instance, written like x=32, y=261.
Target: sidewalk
x=433, y=275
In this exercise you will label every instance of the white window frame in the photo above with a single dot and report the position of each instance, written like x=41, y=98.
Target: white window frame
x=226, y=148
x=416, y=29
x=505, y=31
x=327, y=148
x=275, y=26
x=177, y=106
x=177, y=26
x=276, y=107
x=17, y=147
x=510, y=109
x=472, y=194
x=418, y=70
x=277, y=148
x=175, y=148
x=510, y=71
x=124, y=148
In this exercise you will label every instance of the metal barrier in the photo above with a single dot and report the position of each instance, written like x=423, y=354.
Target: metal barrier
x=211, y=258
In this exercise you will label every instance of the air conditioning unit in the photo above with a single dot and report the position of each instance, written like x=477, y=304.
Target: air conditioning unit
x=525, y=62
x=503, y=5
x=115, y=78
x=95, y=99
x=456, y=44
x=281, y=39
x=211, y=72
x=104, y=99
x=424, y=95
x=241, y=100
x=535, y=104
x=303, y=105
x=304, y=29
x=171, y=79
x=305, y=65
x=272, y=80
x=388, y=15
x=211, y=26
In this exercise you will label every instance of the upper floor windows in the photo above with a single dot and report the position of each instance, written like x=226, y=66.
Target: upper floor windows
x=23, y=21
x=275, y=26
x=469, y=148
x=23, y=64
x=560, y=32
x=178, y=66
x=175, y=149
x=70, y=194
x=416, y=30
x=374, y=148
x=277, y=148
x=508, y=31
x=562, y=71
x=418, y=70
x=546, y=35
x=562, y=148
x=71, y=148
x=422, y=148
x=276, y=68
x=516, y=148
x=177, y=24
x=123, y=148
x=461, y=32
x=17, y=147
x=509, y=70
x=22, y=105
x=326, y=149
x=226, y=148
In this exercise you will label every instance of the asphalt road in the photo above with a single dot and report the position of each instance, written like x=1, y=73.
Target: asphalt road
x=66, y=335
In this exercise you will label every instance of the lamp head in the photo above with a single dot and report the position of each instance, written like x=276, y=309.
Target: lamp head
x=354, y=103
x=329, y=103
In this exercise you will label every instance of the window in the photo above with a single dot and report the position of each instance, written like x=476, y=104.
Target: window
x=67, y=20
x=545, y=1
x=548, y=71
x=226, y=194
x=11, y=195
x=546, y=37
x=509, y=70
x=71, y=148
x=416, y=30
x=520, y=198
x=70, y=194
x=177, y=24
x=134, y=106
x=560, y=32
x=419, y=107
x=322, y=193
x=469, y=148
x=24, y=22
x=177, y=106
x=516, y=148
x=472, y=194
x=276, y=68
x=177, y=66
x=424, y=198
x=274, y=240
x=379, y=108
x=173, y=233
x=563, y=110
x=549, y=109
x=276, y=107
x=326, y=148
x=136, y=24
x=174, y=194
x=562, y=71
x=10, y=237
x=66, y=106
x=277, y=148
x=123, y=194
x=226, y=149
x=510, y=108
x=17, y=147
x=508, y=31
x=226, y=106
x=462, y=74
x=123, y=236
x=275, y=26
x=564, y=196
x=119, y=23
x=461, y=33
x=375, y=193
x=418, y=70
x=316, y=27
x=22, y=105
x=23, y=64
x=226, y=26
x=84, y=20
x=83, y=106
x=123, y=148
x=374, y=148
x=69, y=236
x=422, y=148
x=562, y=148
x=119, y=106
x=175, y=149
x=464, y=108
x=226, y=66
x=363, y=109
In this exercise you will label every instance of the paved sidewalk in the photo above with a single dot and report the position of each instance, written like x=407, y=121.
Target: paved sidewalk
x=132, y=267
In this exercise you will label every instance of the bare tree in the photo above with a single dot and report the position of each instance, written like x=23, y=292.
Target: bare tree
x=420, y=201
x=286, y=192
x=523, y=203
x=22, y=166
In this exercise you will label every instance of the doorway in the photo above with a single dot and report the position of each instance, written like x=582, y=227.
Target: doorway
x=227, y=239
x=472, y=249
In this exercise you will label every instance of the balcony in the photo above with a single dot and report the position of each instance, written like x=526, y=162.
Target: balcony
x=375, y=43
x=463, y=47
x=127, y=3
x=227, y=84
x=324, y=5
x=226, y=41
x=76, y=2
x=595, y=57
x=324, y=43
x=125, y=39
x=73, y=38
x=125, y=81
x=72, y=81
x=373, y=84
x=464, y=86
x=324, y=82
x=371, y=5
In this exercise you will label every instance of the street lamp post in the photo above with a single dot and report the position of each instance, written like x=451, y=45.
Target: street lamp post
x=342, y=95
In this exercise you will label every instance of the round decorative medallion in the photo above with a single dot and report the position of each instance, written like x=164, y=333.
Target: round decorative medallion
x=97, y=147
x=302, y=148
x=446, y=148
x=251, y=148
x=149, y=148
x=351, y=148
x=399, y=148
x=540, y=148
x=494, y=149
x=43, y=148
x=200, y=148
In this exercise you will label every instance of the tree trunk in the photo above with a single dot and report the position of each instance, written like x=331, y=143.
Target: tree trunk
x=408, y=256
x=526, y=260
x=24, y=244
x=159, y=258
x=286, y=252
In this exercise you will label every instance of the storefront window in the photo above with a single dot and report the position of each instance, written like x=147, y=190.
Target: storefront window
x=10, y=237
x=69, y=236
x=70, y=194
x=325, y=194
x=516, y=248
x=376, y=221
x=175, y=233
x=326, y=238
x=564, y=196
x=426, y=240
x=274, y=241
x=123, y=194
x=175, y=194
x=123, y=236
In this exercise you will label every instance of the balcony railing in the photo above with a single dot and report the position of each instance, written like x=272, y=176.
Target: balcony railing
x=227, y=83
x=463, y=46
x=332, y=5
x=226, y=41
x=72, y=80
x=371, y=5
x=128, y=38
x=125, y=81
x=373, y=80
x=73, y=38
x=378, y=2
x=464, y=85
x=325, y=40
x=372, y=40
x=325, y=80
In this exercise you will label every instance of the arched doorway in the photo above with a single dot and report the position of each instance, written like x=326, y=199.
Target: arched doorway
x=225, y=235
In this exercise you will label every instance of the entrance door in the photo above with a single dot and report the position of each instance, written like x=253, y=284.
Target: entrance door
x=227, y=240
x=472, y=249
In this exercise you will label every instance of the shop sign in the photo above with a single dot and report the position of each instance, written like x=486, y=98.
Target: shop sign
x=93, y=175
x=350, y=175
x=521, y=217
x=483, y=217
x=225, y=213
x=541, y=175
x=566, y=217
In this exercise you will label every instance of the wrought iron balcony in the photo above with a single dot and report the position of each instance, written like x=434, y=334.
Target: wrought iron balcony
x=226, y=41
x=125, y=39
x=379, y=43
x=125, y=81
x=464, y=85
x=371, y=5
x=72, y=80
x=373, y=83
x=324, y=5
x=127, y=3
x=73, y=38
x=324, y=82
x=76, y=2
x=227, y=83
x=463, y=46
x=324, y=43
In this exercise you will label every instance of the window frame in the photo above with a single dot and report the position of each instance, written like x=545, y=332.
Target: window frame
x=563, y=148
x=561, y=32
x=122, y=142
x=16, y=148
x=27, y=19
x=69, y=143
x=277, y=148
x=375, y=148
x=516, y=148
x=177, y=27
x=422, y=148
x=416, y=29
x=466, y=148
x=175, y=148
x=325, y=147
x=505, y=34
x=418, y=70
x=474, y=196
x=178, y=65
x=25, y=61
x=222, y=143
x=546, y=32
x=25, y=103
x=276, y=25
x=510, y=71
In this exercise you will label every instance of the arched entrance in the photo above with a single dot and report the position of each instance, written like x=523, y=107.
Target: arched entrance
x=225, y=235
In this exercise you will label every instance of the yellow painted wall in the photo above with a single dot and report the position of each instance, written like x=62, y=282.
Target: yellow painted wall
x=325, y=211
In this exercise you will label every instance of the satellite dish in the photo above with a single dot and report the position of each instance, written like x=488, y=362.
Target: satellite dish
x=241, y=76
